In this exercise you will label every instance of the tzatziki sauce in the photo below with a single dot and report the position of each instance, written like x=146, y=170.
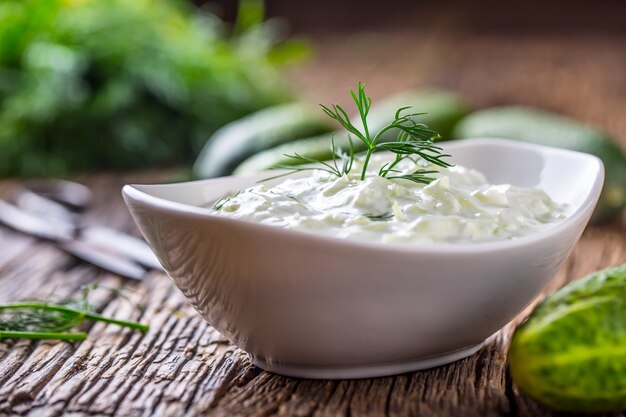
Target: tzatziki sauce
x=460, y=205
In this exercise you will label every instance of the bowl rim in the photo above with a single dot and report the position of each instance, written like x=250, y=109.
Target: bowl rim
x=132, y=192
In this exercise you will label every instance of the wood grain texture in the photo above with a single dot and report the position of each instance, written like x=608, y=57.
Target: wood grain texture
x=183, y=367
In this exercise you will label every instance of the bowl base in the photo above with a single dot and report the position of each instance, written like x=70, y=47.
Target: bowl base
x=364, y=371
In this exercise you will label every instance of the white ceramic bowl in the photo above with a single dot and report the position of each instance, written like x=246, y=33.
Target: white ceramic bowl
x=313, y=306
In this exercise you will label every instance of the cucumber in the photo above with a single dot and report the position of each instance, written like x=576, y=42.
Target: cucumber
x=537, y=126
x=444, y=110
x=570, y=354
x=318, y=147
x=261, y=130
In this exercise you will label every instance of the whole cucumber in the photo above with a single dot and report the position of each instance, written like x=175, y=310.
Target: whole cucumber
x=541, y=127
x=254, y=133
x=443, y=110
x=571, y=352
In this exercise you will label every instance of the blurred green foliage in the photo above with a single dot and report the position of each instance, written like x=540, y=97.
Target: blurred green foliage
x=87, y=84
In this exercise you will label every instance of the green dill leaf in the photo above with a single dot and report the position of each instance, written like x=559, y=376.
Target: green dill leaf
x=379, y=217
x=293, y=197
x=301, y=163
x=220, y=203
x=420, y=176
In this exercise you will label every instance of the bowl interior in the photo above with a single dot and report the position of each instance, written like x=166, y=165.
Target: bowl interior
x=568, y=177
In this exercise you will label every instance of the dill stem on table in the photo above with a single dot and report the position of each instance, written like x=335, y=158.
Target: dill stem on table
x=75, y=317
x=42, y=335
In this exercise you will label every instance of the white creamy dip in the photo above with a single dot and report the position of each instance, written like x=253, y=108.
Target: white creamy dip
x=458, y=206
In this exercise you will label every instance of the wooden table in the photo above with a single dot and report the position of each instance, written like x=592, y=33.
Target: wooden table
x=183, y=367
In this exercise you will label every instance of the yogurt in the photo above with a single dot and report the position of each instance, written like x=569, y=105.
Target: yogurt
x=459, y=205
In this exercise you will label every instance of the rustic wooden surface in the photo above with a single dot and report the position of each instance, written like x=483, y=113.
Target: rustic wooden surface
x=183, y=367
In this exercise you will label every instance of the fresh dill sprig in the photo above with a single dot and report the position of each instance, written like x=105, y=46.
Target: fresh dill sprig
x=43, y=320
x=415, y=141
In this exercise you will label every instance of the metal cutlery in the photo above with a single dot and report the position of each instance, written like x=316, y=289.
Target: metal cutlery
x=47, y=209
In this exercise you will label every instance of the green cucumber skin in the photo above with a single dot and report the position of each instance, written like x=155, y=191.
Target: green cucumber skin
x=443, y=110
x=264, y=129
x=537, y=126
x=570, y=354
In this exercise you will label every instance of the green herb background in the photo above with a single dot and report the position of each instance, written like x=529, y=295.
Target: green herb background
x=117, y=84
